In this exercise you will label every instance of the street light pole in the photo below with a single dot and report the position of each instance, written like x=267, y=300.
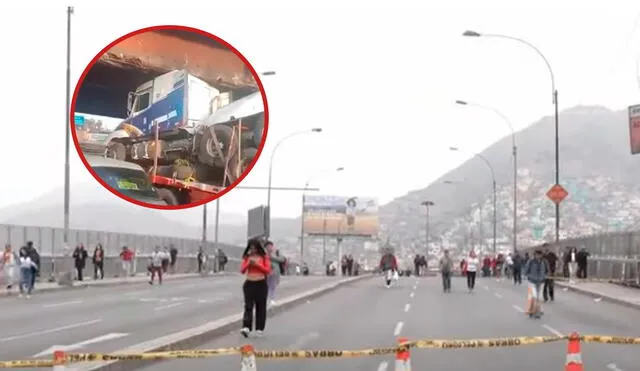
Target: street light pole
x=427, y=204
x=515, y=166
x=304, y=194
x=314, y=130
x=554, y=91
x=67, y=144
x=494, y=187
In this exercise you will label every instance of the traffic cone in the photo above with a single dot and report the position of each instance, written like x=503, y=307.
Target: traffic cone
x=248, y=362
x=59, y=361
x=574, y=356
x=403, y=360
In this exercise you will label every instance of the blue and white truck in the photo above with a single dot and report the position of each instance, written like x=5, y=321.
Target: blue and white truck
x=196, y=126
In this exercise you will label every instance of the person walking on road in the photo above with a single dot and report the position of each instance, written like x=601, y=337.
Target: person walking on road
x=552, y=260
x=388, y=265
x=472, y=269
x=126, y=255
x=536, y=272
x=35, y=258
x=273, y=280
x=518, y=263
x=9, y=262
x=446, y=267
x=80, y=260
x=98, y=262
x=256, y=266
x=581, y=259
x=27, y=266
x=156, y=264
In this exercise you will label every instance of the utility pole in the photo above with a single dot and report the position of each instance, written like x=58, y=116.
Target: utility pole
x=427, y=204
x=67, y=124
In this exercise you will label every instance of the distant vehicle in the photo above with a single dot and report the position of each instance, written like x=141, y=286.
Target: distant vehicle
x=127, y=178
x=181, y=118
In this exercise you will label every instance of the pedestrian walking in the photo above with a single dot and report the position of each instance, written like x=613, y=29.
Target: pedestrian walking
x=446, y=267
x=126, y=256
x=472, y=269
x=156, y=265
x=518, y=263
x=536, y=272
x=256, y=266
x=27, y=266
x=80, y=260
x=582, y=258
x=9, y=263
x=35, y=258
x=98, y=262
x=273, y=280
x=549, y=282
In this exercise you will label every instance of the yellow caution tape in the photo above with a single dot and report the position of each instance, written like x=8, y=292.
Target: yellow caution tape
x=485, y=343
x=610, y=339
x=30, y=363
x=325, y=353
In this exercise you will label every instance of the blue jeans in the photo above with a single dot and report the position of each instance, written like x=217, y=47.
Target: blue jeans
x=26, y=280
x=272, y=283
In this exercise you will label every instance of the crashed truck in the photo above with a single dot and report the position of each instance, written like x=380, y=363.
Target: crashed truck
x=181, y=128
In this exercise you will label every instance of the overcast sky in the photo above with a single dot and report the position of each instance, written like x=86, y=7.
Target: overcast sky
x=381, y=82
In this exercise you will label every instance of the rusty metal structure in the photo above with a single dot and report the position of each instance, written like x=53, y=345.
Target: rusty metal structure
x=142, y=57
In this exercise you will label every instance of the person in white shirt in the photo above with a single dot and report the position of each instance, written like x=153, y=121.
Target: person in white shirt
x=472, y=268
x=9, y=262
x=509, y=269
x=155, y=264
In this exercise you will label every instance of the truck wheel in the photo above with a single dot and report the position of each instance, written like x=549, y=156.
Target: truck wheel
x=168, y=196
x=116, y=150
x=236, y=168
x=207, y=153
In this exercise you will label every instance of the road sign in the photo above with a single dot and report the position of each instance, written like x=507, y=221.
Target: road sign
x=557, y=194
x=78, y=120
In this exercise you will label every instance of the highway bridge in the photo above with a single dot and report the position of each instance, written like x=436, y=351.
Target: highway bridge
x=144, y=56
x=318, y=313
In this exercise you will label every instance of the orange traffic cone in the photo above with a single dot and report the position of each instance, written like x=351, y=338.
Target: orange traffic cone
x=574, y=356
x=59, y=361
x=248, y=362
x=403, y=361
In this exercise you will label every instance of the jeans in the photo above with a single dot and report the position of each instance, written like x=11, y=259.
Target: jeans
x=517, y=276
x=471, y=280
x=547, y=290
x=255, y=296
x=26, y=283
x=446, y=281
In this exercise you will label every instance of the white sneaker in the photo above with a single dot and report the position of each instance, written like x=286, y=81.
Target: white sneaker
x=245, y=332
x=28, y=296
x=272, y=302
x=258, y=333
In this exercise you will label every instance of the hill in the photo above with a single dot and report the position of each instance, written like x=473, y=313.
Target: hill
x=596, y=167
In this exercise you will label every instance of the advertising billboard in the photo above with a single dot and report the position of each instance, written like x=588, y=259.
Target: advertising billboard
x=634, y=128
x=340, y=215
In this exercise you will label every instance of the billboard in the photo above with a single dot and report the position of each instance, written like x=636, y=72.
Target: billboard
x=258, y=222
x=634, y=128
x=340, y=215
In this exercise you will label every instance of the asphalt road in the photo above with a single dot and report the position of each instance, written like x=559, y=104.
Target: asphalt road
x=107, y=319
x=365, y=315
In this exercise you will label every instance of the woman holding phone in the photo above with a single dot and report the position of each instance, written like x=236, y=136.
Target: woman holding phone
x=256, y=265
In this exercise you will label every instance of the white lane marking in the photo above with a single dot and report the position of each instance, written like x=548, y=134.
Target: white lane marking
x=552, y=330
x=169, y=306
x=518, y=308
x=497, y=295
x=597, y=300
x=398, y=328
x=406, y=307
x=304, y=340
x=152, y=300
x=412, y=294
x=179, y=299
x=383, y=366
x=82, y=344
x=49, y=331
x=613, y=367
x=62, y=304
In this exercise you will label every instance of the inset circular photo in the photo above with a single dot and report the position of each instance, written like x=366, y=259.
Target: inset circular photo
x=169, y=117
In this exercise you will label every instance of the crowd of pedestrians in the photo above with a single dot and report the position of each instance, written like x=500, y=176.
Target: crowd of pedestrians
x=21, y=268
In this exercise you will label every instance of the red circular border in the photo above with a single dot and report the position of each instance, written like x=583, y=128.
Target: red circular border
x=182, y=28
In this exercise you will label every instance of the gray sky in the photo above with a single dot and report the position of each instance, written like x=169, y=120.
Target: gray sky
x=380, y=82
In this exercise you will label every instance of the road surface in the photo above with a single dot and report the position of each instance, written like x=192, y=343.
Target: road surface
x=107, y=319
x=365, y=315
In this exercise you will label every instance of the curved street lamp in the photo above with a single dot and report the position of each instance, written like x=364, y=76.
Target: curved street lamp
x=470, y=33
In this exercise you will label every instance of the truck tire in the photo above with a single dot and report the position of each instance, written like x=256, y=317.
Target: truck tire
x=117, y=151
x=168, y=196
x=207, y=153
x=237, y=167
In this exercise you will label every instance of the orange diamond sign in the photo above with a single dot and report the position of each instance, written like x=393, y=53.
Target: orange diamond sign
x=557, y=193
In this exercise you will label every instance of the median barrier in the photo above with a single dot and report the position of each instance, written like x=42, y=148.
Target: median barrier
x=251, y=356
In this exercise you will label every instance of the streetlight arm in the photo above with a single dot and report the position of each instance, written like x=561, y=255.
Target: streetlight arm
x=530, y=45
x=493, y=174
x=497, y=112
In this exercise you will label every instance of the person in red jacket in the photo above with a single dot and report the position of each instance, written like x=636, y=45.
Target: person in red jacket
x=257, y=267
